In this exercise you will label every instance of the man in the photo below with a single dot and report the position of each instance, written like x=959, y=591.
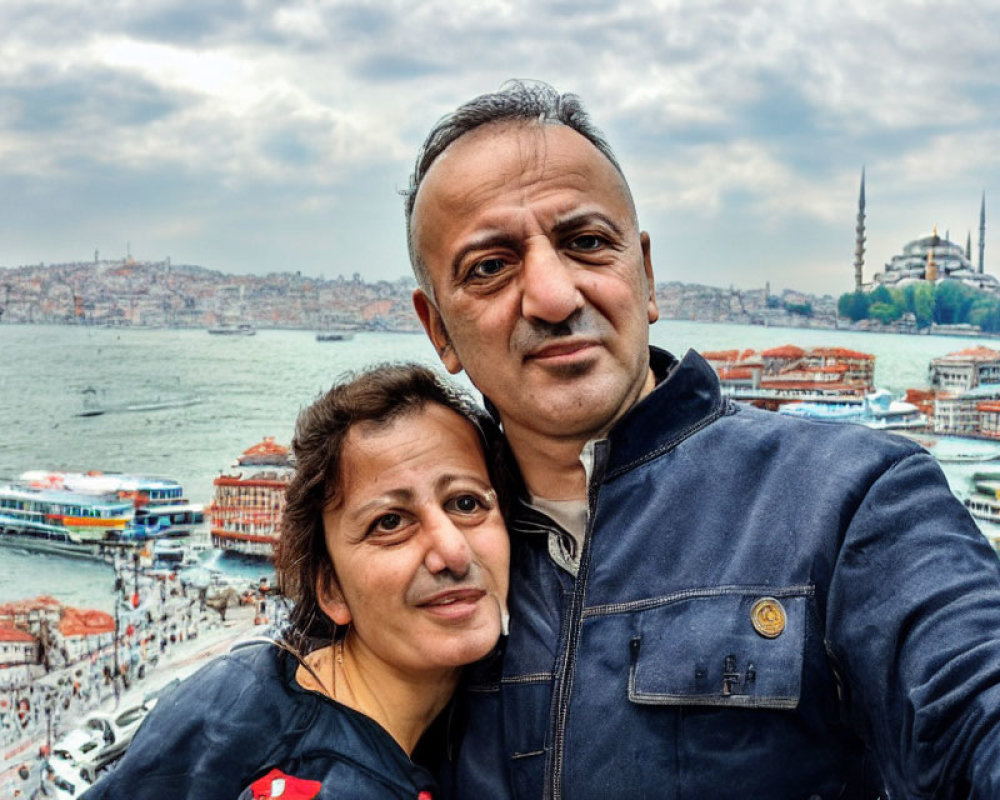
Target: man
x=707, y=600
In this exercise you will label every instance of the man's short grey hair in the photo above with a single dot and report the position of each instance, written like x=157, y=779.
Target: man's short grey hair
x=516, y=101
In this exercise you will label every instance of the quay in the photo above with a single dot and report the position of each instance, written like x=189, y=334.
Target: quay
x=161, y=631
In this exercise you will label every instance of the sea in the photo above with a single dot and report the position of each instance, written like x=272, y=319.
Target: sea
x=249, y=387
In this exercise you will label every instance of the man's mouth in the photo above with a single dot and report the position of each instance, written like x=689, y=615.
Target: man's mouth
x=560, y=350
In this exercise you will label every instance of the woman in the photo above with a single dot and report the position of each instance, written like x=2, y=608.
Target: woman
x=395, y=554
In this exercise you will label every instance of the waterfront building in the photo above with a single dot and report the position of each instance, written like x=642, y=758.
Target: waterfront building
x=791, y=374
x=959, y=414
x=17, y=647
x=989, y=418
x=965, y=369
x=84, y=631
x=246, y=507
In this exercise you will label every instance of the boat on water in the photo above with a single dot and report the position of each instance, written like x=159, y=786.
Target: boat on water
x=160, y=507
x=334, y=336
x=879, y=410
x=248, y=499
x=55, y=520
x=243, y=329
x=85, y=514
x=984, y=502
x=95, y=407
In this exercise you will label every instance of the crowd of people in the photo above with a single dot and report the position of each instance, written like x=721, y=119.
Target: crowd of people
x=157, y=613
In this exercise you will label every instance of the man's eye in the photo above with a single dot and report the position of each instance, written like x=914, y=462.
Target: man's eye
x=487, y=268
x=588, y=241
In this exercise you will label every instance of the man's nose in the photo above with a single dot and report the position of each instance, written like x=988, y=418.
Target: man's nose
x=448, y=548
x=548, y=290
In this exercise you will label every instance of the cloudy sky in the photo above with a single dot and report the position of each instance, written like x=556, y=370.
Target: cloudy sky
x=262, y=136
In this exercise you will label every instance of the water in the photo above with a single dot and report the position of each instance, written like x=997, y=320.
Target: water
x=251, y=387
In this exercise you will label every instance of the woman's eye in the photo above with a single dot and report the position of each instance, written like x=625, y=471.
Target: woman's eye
x=387, y=523
x=467, y=503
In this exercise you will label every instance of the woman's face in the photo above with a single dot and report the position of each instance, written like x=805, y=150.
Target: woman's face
x=420, y=550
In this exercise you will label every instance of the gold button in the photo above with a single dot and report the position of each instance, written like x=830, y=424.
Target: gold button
x=768, y=617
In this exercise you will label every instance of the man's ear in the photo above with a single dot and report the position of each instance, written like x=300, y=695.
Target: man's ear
x=331, y=599
x=430, y=318
x=652, y=310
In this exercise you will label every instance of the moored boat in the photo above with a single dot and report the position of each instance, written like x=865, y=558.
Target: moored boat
x=878, y=410
x=984, y=502
x=246, y=507
x=60, y=521
x=160, y=507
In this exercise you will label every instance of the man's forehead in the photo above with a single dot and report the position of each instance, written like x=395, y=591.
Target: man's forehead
x=517, y=153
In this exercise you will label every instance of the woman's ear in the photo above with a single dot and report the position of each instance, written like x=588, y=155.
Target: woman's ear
x=331, y=599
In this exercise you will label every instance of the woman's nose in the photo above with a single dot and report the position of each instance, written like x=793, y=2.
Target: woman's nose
x=448, y=548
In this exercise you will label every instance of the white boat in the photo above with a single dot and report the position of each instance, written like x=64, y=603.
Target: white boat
x=879, y=410
x=94, y=407
x=243, y=329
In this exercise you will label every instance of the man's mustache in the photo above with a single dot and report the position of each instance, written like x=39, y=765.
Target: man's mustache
x=531, y=335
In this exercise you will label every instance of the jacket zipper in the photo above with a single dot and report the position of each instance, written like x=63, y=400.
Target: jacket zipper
x=559, y=713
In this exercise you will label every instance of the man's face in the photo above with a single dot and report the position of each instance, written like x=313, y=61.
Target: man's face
x=543, y=287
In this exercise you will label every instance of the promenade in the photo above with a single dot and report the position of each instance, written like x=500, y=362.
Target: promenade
x=168, y=647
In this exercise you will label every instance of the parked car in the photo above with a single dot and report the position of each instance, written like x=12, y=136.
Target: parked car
x=101, y=739
x=63, y=780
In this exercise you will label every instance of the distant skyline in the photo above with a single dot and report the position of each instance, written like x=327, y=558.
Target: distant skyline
x=263, y=136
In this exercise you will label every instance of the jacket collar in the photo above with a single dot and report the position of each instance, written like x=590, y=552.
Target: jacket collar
x=687, y=397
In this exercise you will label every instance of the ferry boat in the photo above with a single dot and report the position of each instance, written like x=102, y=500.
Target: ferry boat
x=248, y=499
x=984, y=502
x=160, y=508
x=878, y=410
x=60, y=521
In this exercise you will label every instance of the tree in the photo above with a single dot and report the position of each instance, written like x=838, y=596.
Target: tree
x=853, y=305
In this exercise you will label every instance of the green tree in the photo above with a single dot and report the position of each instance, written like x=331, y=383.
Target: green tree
x=884, y=312
x=853, y=305
x=923, y=303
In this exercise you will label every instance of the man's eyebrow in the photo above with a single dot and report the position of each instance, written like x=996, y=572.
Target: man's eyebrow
x=482, y=241
x=577, y=220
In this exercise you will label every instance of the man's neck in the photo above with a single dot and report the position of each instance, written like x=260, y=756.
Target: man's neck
x=550, y=466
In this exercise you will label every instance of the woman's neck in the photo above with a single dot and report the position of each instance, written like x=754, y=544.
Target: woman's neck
x=403, y=704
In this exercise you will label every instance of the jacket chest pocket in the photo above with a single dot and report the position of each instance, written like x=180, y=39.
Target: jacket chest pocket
x=729, y=648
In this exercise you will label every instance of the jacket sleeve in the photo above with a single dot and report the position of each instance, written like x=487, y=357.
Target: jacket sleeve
x=206, y=738
x=913, y=621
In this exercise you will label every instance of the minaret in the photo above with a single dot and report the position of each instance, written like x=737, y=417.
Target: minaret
x=859, y=246
x=931, y=272
x=982, y=232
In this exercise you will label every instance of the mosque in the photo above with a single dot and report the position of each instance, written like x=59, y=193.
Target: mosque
x=930, y=258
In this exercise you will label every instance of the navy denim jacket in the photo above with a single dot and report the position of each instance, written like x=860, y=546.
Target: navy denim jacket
x=766, y=607
x=242, y=716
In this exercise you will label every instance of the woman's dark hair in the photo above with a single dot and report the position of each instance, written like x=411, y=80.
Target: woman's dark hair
x=377, y=395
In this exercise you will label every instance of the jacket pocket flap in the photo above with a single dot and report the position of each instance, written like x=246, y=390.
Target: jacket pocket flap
x=732, y=649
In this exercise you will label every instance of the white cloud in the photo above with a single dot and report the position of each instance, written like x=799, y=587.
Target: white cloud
x=747, y=117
